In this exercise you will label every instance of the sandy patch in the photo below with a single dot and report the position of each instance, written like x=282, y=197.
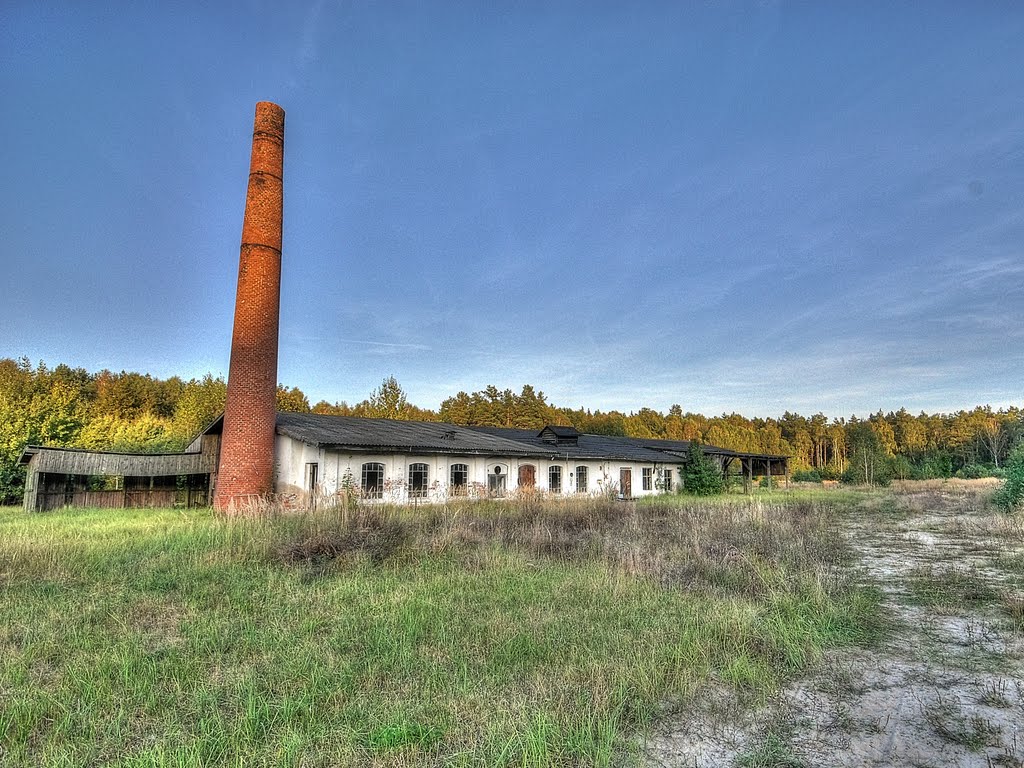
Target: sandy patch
x=946, y=689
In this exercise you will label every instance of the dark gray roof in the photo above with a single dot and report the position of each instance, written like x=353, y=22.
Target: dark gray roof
x=680, y=448
x=615, y=447
x=389, y=436
x=585, y=447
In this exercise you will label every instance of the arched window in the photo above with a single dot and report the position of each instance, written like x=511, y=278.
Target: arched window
x=555, y=479
x=418, y=481
x=459, y=480
x=496, y=481
x=373, y=480
x=581, y=479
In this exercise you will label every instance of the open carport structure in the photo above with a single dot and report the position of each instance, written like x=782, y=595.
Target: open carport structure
x=62, y=477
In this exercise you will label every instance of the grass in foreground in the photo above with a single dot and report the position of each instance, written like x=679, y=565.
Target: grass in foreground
x=520, y=634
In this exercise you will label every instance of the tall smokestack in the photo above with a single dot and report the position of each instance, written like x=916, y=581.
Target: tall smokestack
x=246, y=471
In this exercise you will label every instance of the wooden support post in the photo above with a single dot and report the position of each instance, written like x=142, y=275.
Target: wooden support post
x=768, y=470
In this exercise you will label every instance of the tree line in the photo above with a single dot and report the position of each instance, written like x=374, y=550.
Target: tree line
x=126, y=411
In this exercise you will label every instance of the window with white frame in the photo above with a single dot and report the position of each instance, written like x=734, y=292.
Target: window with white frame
x=418, y=480
x=581, y=479
x=458, y=479
x=647, y=475
x=373, y=480
x=666, y=480
x=555, y=479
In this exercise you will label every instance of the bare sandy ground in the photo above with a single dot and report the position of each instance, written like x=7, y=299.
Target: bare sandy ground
x=946, y=688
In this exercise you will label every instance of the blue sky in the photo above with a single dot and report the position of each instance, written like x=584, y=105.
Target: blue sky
x=746, y=207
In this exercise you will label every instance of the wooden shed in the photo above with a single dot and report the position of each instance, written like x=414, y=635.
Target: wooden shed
x=62, y=477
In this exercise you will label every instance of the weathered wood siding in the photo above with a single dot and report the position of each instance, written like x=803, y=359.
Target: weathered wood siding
x=56, y=491
x=121, y=464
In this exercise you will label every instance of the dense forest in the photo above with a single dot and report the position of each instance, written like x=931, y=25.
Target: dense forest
x=71, y=407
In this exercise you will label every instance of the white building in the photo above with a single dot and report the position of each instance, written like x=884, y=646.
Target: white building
x=410, y=461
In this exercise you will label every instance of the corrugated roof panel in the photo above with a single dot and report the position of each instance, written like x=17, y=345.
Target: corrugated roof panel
x=386, y=435
x=351, y=431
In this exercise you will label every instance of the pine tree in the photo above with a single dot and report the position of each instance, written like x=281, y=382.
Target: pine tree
x=700, y=475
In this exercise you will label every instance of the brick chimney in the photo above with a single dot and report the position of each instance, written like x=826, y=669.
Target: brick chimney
x=246, y=471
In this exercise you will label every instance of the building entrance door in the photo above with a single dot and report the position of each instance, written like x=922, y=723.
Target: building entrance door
x=527, y=476
x=626, y=483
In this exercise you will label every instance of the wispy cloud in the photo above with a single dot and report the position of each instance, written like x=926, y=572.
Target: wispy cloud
x=384, y=344
x=309, y=50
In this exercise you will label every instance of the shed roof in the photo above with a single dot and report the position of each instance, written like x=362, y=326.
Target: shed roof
x=77, y=461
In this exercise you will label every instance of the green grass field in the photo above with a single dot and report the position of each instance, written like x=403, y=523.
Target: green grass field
x=520, y=633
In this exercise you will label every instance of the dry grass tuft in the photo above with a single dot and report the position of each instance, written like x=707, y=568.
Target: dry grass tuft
x=736, y=548
x=365, y=532
x=1013, y=606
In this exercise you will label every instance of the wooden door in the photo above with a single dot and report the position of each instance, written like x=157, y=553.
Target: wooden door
x=527, y=476
x=626, y=483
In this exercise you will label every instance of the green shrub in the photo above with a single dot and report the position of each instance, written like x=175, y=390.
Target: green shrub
x=974, y=471
x=12, y=482
x=807, y=476
x=932, y=467
x=830, y=472
x=1011, y=496
x=700, y=475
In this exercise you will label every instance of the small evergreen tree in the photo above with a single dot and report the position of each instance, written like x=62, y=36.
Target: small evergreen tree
x=700, y=475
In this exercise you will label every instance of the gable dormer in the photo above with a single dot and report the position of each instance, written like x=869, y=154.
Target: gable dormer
x=559, y=435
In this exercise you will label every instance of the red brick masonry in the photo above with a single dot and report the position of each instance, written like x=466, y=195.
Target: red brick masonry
x=246, y=471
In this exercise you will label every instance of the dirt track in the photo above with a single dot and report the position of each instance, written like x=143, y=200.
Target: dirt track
x=946, y=688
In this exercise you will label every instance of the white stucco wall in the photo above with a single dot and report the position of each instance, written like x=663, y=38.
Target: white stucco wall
x=334, y=469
